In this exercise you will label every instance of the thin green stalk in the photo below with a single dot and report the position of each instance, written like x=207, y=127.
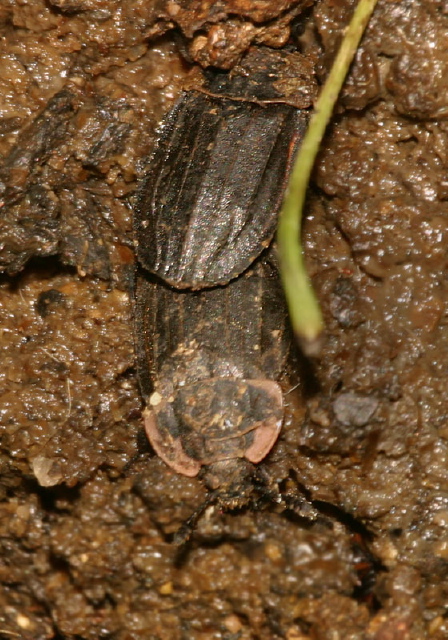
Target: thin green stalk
x=304, y=309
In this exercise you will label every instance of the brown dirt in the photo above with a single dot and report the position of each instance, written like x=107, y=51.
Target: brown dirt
x=86, y=507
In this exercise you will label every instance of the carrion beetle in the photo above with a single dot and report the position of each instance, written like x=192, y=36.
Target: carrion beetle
x=211, y=324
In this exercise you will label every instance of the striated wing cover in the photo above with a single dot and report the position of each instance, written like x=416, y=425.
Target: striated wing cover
x=208, y=206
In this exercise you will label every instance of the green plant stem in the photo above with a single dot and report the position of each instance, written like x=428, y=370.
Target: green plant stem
x=304, y=309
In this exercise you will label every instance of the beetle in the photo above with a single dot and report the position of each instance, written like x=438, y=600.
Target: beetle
x=212, y=333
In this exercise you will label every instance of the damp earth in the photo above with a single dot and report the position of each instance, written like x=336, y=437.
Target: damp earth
x=87, y=510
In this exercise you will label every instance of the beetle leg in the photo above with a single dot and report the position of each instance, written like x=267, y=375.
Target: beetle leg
x=184, y=532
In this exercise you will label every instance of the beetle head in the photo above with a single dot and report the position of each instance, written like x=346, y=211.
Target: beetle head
x=231, y=481
x=232, y=484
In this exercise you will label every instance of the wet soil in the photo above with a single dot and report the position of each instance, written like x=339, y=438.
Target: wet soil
x=87, y=508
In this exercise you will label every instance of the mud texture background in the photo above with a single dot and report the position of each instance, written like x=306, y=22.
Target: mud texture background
x=86, y=509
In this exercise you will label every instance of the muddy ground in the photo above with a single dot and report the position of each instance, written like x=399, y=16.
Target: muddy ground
x=87, y=509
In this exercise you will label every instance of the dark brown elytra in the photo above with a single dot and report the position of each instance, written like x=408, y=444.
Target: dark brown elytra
x=215, y=186
x=211, y=323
